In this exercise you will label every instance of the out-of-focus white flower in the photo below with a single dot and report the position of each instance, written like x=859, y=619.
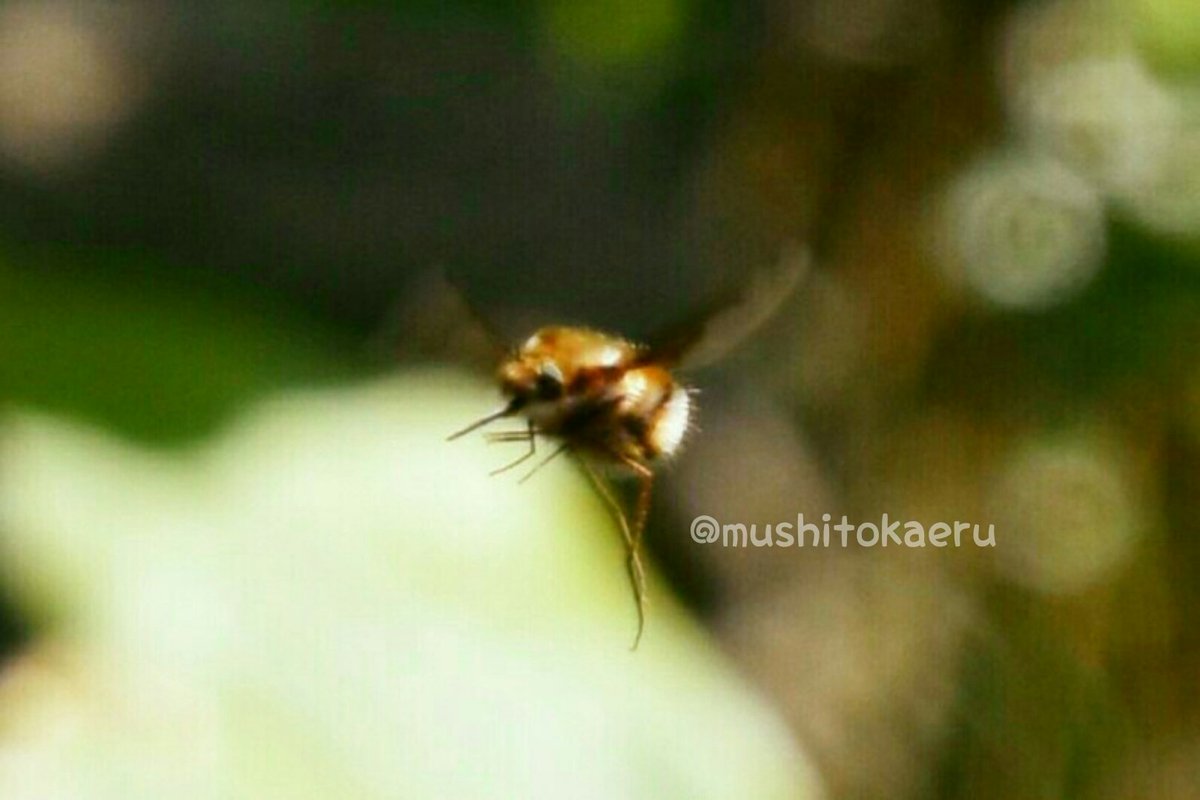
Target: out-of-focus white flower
x=1105, y=117
x=1021, y=230
x=1065, y=514
x=330, y=600
x=1167, y=200
x=1078, y=88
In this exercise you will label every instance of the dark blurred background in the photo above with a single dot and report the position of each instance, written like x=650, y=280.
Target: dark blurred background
x=204, y=204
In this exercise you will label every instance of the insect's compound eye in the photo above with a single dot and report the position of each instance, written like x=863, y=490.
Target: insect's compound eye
x=549, y=382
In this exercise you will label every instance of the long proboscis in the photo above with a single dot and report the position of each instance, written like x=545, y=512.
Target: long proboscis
x=506, y=410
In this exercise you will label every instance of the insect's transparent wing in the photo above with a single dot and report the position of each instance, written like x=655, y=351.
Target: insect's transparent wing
x=437, y=321
x=715, y=330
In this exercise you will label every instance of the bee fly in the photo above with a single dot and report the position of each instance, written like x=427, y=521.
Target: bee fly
x=614, y=402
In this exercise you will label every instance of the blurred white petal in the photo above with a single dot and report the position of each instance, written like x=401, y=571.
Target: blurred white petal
x=349, y=605
x=1021, y=230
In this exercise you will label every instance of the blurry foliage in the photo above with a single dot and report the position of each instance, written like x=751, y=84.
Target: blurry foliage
x=1169, y=32
x=612, y=33
x=119, y=339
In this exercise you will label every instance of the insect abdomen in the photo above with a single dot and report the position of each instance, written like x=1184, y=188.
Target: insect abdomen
x=654, y=411
x=672, y=420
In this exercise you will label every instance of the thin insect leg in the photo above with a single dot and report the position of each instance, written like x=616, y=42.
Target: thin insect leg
x=502, y=437
x=637, y=575
x=530, y=434
x=558, y=451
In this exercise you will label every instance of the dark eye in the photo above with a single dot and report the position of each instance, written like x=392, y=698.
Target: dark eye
x=549, y=382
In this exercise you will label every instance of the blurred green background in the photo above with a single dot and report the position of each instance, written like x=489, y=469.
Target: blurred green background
x=237, y=558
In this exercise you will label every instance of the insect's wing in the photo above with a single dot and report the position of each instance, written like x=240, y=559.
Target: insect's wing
x=437, y=321
x=716, y=329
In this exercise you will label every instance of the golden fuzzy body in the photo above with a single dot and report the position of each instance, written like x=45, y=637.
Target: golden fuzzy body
x=598, y=393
